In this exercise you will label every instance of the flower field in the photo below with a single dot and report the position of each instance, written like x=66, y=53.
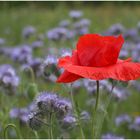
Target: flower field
x=70, y=71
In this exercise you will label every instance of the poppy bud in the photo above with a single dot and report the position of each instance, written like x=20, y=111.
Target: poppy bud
x=32, y=90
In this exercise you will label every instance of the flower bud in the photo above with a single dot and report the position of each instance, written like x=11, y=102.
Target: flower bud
x=32, y=90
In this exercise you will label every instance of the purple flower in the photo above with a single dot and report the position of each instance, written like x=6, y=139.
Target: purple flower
x=35, y=64
x=75, y=14
x=122, y=119
x=2, y=41
x=62, y=107
x=28, y=31
x=136, y=52
x=8, y=78
x=124, y=53
x=64, y=23
x=20, y=113
x=68, y=122
x=116, y=29
x=85, y=116
x=37, y=44
x=45, y=101
x=136, y=85
x=22, y=54
x=59, y=33
x=131, y=34
x=90, y=85
x=120, y=93
x=82, y=31
x=49, y=69
x=111, y=136
x=83, y=23
x=135, y=125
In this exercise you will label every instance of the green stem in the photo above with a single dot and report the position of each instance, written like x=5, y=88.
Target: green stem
x=76, y=113
x=95, y=109
x=32, y=74
x=97, y=97
x=106, y=107
x=51, y=132
x=36, y=135
x=6, y=128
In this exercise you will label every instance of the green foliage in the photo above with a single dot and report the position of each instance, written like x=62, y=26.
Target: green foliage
x=14, y=19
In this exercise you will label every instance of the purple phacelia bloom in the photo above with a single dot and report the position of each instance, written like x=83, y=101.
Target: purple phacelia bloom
x=20, y=113
x=111, y=136
x=131, y=34
x=2, y=41
x=68, y=121
x=123, y=119
x=28, y=31
x=46, y=104
x=136, y=52
x=37, y=44
x=59, y=33
x=83, y=23
x=82, y=31
x=64, y=23
x=6, y=51
x=8, y=78
x=49, y=102
x=136, y=85
x=49, y=69
x=35, y=64
x=116, y=29
x=120, y=94
x=45, y=101
x=123, y=53
x=85, y=116
x=62, y=107
x=135, y=125
x=75, y=14
x=90, y=85
x=76, y=86
x=22, y=54
x=138, y=26
x=81, y=27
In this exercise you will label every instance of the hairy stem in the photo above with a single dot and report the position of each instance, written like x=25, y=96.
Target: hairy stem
x=76, y=113
x=51, y=121
x=97, y=97
x=95, y=110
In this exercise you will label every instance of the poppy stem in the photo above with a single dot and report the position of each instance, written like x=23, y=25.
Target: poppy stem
x=97, y=97
x=76, y=113
x=95, y=111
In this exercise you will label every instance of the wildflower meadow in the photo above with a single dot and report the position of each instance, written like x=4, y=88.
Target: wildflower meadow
x=69, y=70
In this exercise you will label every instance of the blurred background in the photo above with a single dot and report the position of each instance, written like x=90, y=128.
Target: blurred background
x=35, y=34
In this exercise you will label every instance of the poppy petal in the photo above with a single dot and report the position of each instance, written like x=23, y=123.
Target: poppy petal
x=64, y=60
x=96, y=51
x=67, y=77
x=120, y=71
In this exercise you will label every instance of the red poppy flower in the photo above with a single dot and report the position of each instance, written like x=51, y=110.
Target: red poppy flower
x=96, y=57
